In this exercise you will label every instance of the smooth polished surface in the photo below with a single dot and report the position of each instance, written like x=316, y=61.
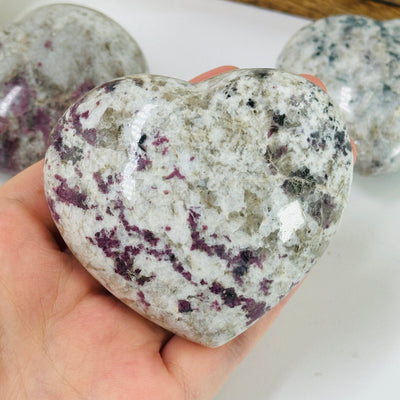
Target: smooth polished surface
x=358, y=60
x=48, y=60
x=338, y=337
x=200, y=205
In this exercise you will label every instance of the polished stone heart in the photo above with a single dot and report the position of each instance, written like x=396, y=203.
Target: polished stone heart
x=358, y=60
x=200, y=206
x=47, y=61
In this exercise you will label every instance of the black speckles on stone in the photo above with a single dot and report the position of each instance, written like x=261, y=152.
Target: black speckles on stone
x=303, y=173
x=317, y=142
x=230, y=90
x=354, y=21
x=141, y=142
x=377, y=163
x=386, y=88
x=279, y=118
x=341, y=144
x=73, y=154
x=230, y=297
x=242, y=262
x=57, y=134
x=109, y=87
x=299, y=183
x=396, y=56
x=251, y=103
x=240, y=270
x=261, y=73
x=333, y=56
x=318, y=51
x=184, y=306
x=142, y=280
x=123, y=257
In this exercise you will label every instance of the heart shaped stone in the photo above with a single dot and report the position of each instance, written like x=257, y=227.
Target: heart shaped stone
x=358, y=60
x=47, y=61
x=200, y=206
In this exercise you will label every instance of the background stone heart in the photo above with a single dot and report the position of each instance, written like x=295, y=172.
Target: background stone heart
x=47, y=61
x=200, y=206
x=358, y=60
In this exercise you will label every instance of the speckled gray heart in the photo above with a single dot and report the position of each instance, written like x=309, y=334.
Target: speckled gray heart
x=47, y=61
x=200, y=206
x=358, y=60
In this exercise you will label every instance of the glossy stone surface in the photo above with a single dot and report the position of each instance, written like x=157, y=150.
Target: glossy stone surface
x=358, y=60
x=200, y=206
x=47, y=61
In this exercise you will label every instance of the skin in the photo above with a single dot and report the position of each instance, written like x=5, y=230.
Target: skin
x=63, y=336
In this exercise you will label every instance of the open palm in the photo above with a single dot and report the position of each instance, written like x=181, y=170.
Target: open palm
x=63, y=336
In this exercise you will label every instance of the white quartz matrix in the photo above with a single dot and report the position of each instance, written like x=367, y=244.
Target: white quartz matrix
x=49, y=59
x=200, y=206
x=358, y=59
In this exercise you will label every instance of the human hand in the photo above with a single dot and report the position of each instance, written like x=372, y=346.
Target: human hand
x=63, y=336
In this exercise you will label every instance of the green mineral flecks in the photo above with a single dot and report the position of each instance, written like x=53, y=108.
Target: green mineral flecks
x=357, y=58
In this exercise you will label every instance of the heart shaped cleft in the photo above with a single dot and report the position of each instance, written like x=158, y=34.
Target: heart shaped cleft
x=202, y=205
x=49, y=59
x=358, y=60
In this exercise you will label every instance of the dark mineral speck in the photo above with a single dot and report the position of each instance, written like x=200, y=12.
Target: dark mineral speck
x=184, y=306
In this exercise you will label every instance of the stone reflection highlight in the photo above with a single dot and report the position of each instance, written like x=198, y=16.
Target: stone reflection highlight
x=200, y=206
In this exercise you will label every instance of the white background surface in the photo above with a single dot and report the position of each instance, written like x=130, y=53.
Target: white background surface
x=339, y=337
